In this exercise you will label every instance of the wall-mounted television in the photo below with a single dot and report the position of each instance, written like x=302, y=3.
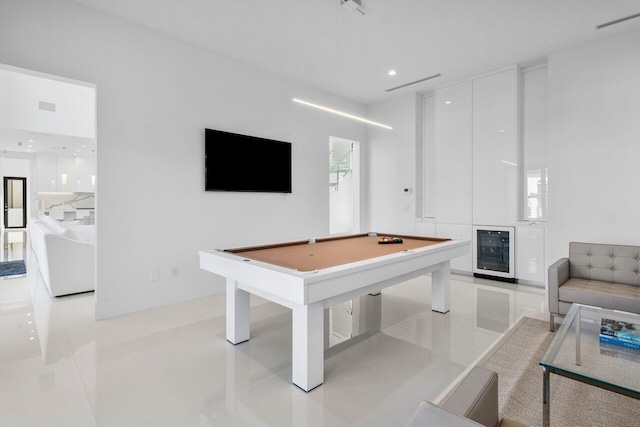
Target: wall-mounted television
x=235, y=162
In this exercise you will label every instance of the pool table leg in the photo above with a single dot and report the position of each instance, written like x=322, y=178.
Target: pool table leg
x=308, y=346
x=441, y=288
x=238, y=314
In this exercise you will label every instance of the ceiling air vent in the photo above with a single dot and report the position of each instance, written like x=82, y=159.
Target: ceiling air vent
x=351, y=4
x=412, y=83
x=617, y=21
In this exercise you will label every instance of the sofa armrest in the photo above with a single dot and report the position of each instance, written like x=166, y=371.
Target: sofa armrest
x=558, y=274
x=476, y=397
x=430, y=414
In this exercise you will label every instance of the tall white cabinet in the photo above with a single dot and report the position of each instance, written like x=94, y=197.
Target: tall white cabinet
x=454, y=154
x=477, y=137
x=495, y=149
x=453, y=141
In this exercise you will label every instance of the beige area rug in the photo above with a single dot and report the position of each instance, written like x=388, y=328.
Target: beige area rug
x=573, y=403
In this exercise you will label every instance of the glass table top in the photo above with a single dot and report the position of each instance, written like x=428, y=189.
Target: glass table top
x=577, y=349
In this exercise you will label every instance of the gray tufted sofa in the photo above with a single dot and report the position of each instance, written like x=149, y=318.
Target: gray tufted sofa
x=601, y=275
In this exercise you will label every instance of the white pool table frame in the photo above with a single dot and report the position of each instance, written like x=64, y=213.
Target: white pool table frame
x=307, y=294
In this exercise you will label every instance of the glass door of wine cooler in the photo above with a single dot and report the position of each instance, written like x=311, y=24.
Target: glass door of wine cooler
x=494, y=251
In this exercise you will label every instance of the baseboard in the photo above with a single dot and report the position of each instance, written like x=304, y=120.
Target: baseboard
x=531, y=283
x=134, y=303
x=462, y=273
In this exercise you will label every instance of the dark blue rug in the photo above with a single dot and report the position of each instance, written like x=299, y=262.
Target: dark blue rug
x=12, y=268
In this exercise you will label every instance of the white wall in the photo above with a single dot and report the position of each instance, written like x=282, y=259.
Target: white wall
x=594, y=144
x=391, y=163
x=156, y=95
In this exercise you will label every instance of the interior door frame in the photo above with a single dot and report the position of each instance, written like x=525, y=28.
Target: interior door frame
x=24, y=200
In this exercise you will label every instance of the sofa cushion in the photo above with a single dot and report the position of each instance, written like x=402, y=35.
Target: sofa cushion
x=72, y=234
x=614, y=296
x=88, y=232
x=606, y=263
x=57, y=227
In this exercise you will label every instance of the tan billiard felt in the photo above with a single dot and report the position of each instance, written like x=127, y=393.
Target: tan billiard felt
x=332, y=251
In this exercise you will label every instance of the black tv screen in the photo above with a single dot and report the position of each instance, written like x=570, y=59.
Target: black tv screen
x=235, y=162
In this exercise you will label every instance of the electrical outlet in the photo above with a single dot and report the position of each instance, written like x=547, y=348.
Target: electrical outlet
x=175, y=271
x=155, y=274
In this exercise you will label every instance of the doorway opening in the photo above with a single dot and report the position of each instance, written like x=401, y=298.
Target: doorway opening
x=48, y=165
x=344, y=186
x=15, y=198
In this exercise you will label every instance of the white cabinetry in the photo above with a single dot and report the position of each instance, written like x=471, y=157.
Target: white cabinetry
x=453, y=154
x=477, y=144
x=426, y=228
x=84, y=174
x=530, y=254
x=47, y=173
x=64, y=173
x=429, y=157
x=457, y=231
x=534, y=141
x=495, y=149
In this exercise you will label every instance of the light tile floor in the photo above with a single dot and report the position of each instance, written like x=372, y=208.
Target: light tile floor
x=172, y=366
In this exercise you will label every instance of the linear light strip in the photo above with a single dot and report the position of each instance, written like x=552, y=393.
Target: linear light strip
x=617, y=21
x=340, y=113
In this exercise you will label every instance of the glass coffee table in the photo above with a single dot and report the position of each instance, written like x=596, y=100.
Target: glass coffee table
x=577, y=353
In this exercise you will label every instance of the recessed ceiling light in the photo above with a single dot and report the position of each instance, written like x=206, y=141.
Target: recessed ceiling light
x=29, y=145
x=447, y=102
x=392, y=72
x=501, y=130
x=31, y=140
x=83, y=146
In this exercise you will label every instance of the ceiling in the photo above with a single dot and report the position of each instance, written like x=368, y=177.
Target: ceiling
x=322, y=44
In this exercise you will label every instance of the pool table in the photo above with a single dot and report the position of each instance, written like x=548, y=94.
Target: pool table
x=308, y=276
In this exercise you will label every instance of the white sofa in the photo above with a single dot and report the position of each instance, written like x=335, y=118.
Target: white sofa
x=65, y=253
